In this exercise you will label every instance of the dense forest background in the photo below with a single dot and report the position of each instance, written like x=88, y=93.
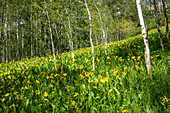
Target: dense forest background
x=31, y=28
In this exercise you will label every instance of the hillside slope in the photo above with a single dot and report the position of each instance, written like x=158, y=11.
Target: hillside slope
x=120, y=82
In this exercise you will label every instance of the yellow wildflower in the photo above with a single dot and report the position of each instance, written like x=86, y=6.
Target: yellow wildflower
x=65, y=74
x=124, y=111
x=37, y=92
x=3, y=99
x=26, y=87
x=12, y=106
x=100, y=77
x=28, y=82
x=121, y=83
x=139, y=57
x=96, y=81
x=108, y=57
x=76, y=94
x=86, y=74
x=47, y=77
x=106, y=79
x=73, y=103
x=37, y=81
x=114, y=74
x=165, y=99
x=125, y=68
x=46, y=100
x=51, y=85
x=89, y=81
x=102, y=80
x=124, y=73
x=111, y=71
x=77, y=109
x=45, y=94
x=133, y=57
x=15, y=93
x=81, y=67
x=6, y=95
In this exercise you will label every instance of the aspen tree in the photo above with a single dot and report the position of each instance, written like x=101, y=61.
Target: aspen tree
x=103, y=29
x=145, y=38
x=90, y=34
x=52, y=43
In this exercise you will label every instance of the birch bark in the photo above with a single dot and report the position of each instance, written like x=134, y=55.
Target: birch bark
x=32, y=41
x=145, y=38
x=103, y=29
x=70, y=43
x=5, y=35
x=90, y=34
x=52, y=43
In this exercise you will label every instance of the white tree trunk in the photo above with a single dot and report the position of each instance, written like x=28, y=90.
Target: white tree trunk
x=6, y=39
x=22, y=42
x=17, y=41
x=18, y=37
x=32, y=54
x=145, y=38
x=36, y=39
x=40, y=39
x=103, y=30
x=9, y=34
x=59, y=43
x=91, y=34
x=51, y=36
x=71, y=43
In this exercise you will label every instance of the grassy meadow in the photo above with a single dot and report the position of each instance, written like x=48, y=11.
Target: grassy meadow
x=120, y=82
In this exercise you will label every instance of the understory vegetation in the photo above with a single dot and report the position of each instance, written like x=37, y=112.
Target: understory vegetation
x=120, y=82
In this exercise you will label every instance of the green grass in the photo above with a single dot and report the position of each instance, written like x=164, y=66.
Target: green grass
x=120, y=81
